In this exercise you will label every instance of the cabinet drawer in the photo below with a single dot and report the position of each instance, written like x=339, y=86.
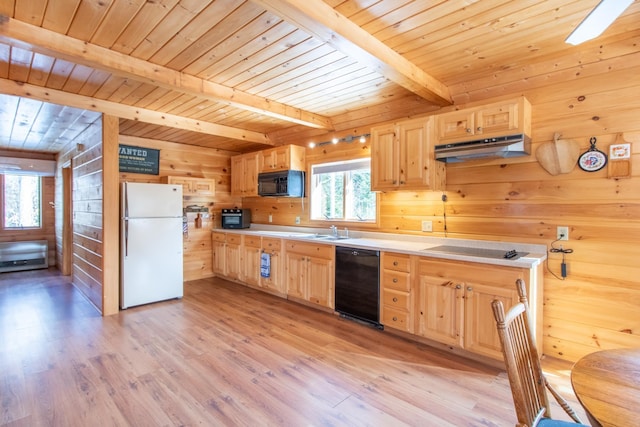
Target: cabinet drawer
x=271, y=244
x=397, y=319
x=397, y=280
x=234, y=239
x=395, y=262
x=252, y=241
x=218, y=237
x=396, y=300
x=310, y=249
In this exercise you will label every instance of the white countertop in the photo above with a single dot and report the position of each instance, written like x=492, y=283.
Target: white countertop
x=403, y=243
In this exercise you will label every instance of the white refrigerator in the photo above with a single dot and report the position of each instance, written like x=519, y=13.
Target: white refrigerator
x=150, y=243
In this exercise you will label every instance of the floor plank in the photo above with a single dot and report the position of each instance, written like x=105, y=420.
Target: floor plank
x=227, y=355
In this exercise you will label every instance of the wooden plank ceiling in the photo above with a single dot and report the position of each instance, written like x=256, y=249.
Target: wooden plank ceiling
x=241, y=75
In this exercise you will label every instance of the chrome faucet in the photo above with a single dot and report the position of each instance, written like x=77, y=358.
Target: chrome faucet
x=334, y=230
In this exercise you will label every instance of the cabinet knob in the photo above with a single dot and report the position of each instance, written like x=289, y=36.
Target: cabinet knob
x=401, y=182
x=479, y=129
x=395, y=280
x=458, y=286
x=395, y=299
x=468, y=130
x=395, y=263
x=395, y=319
x=469, y=288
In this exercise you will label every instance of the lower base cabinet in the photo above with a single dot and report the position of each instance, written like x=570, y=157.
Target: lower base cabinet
x=273, y=248
x=309, y=272
x=445, y=301
x=454, y=302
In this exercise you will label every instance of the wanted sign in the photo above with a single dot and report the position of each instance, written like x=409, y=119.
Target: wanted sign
x=139, y=160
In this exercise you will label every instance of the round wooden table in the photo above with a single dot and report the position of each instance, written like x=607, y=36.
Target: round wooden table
x=607, y=383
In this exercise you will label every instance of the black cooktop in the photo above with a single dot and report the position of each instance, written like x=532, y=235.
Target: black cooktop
x=478, y=252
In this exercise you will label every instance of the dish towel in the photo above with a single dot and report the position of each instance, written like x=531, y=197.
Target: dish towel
x=265, y=264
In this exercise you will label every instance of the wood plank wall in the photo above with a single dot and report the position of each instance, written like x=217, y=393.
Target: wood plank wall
x=84, y=155
x=197, y=162
x=597, y=305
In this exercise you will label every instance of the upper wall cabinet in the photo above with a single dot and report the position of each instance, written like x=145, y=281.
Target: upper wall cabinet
x=244, y=175
x=286, y=157
x=497, y=119
x=192, y=186
x=402, y=157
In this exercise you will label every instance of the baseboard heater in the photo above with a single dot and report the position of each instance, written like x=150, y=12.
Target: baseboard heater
x=27, y=255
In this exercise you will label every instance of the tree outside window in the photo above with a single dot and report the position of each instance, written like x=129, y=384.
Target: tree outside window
x=342, y=191
x=22, y=201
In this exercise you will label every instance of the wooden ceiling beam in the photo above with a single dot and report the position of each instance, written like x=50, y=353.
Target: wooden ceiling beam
x=321, y=20
x=41, y=40
x=40, y=93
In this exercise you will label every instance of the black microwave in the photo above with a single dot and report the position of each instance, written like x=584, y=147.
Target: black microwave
x=281, y=184
x=236, y=218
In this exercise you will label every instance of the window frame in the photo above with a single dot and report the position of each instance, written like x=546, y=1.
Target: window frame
x=368, y=224
x=2, y=204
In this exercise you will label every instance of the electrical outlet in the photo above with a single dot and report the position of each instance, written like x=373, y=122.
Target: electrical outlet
x=297, y=220
x=562, y=233
x=270, y=218
x=427, y=226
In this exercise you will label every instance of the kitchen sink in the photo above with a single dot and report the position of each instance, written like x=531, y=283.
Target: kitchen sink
x=328, y=237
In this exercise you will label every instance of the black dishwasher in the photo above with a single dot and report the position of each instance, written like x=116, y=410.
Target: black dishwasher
x=357, y=292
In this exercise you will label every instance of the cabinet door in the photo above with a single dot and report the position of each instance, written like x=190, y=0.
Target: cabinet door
x=296, y=275
x=250, y=175
x=321, y=279
x=480, y=335
x=441, y=310
x=234, y=263
x=385, y=159
x=219, y=256
x=266, y=161
x=274, y=281
x=203, y=187
x=237, y=176
x=187, y=183
x=415, y=158
x=497, y=119
x=251, y=265
x=455, y=125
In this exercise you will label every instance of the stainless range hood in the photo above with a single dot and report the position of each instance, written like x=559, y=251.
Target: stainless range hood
x=499, y=147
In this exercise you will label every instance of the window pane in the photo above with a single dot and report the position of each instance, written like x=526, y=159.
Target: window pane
x=21, y=201
x=342, y=191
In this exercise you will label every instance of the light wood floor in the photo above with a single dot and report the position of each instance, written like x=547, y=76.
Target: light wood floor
x=226, y=355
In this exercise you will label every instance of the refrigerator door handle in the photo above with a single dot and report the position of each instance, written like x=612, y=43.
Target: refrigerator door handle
x=126, y=237
x=125, y=200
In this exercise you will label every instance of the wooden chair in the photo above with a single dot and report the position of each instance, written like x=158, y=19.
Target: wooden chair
x=525, y=374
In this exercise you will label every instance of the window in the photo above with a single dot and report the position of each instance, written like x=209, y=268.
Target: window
x=342, y=191
x=22, y=206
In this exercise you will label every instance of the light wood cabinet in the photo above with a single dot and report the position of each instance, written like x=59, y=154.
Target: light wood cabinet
x=454, y=302
x=274, y=282
x=310, y=271
x=218, y=246
x=286, y=157
x=496, y=119
x=244, y=175
x=192, y=186
x=402, y=157
x=396, y=308
x=251, y=249
x=233, y=257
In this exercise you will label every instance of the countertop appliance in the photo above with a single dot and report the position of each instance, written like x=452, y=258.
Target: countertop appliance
x=357, y=284
x=150, y=243
x=288, y=183
x=236, y=218
x=498, y=147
